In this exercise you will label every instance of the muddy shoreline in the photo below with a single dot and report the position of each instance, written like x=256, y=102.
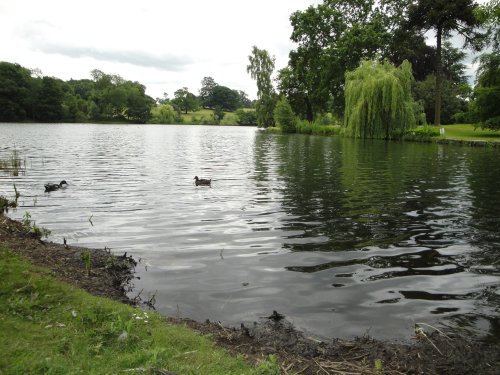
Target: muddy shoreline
x=429, y=352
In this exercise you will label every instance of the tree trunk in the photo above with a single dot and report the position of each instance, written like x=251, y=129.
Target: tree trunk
x=439, y=77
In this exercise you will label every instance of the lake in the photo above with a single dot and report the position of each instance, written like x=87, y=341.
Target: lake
x=344, y=237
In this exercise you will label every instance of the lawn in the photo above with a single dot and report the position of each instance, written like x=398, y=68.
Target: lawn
x=468, y=133
x=49, y=327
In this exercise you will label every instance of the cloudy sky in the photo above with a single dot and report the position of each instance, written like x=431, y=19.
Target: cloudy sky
x=164, y=45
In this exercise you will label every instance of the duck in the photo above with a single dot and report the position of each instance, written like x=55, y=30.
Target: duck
x=52, y=187
x=202, y=181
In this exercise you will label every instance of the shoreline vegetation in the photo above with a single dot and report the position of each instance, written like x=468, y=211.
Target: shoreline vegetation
x=51, y=324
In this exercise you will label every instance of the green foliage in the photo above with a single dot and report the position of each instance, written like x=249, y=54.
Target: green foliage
x=422, y=133
x=208, y=85
x=261, y=67
x=184, y=101
x=164, y=114
x=225, y=98
x=317, y=128
x=50, y=327
x=452, y=101
x=15, y=94
x=24, y=96
x=246, y=117
x=86, y=259
x=218, y=114
x=284, y=117
x=269, y=367
x=333, y=37
x=379, y=366
x=31, y=227
x=487, y=91
x=444, y=17
x=378, y=101
x=488, y=15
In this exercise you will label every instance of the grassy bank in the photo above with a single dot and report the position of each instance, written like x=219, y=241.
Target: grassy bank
x=467, y=132
x=50, y=327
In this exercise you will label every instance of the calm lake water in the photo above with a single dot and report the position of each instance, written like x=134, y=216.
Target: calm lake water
x=341, y=236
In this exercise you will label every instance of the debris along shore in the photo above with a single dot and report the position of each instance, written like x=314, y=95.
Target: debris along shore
x=431, y=352
x=109, y=274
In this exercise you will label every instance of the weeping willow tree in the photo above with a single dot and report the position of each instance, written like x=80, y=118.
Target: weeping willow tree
x=378, y=100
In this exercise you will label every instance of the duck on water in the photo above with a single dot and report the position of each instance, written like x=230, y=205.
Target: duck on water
x=52, y=187
x=202, y=181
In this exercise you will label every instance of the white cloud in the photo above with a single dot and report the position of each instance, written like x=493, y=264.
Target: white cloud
x=164, y=45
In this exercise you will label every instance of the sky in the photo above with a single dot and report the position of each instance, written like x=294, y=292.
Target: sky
x=164, y=45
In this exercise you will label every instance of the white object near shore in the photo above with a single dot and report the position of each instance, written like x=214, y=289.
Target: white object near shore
x=441, y=131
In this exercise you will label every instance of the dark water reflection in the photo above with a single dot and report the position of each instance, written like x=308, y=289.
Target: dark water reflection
x=341, y=236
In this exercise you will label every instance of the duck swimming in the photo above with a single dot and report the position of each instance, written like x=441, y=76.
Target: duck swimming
x=52, y=187
x=202, y=181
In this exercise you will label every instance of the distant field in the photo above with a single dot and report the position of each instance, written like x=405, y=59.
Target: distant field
x=205, y=116
x=467, y=132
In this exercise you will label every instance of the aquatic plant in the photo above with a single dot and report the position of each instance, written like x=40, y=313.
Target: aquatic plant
x=86, y=259
x=31, y=227
x=378, y=100
x=13, y=164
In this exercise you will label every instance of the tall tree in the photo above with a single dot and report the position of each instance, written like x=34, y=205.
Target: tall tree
x=487, y=91
x=332, y=38
x=261, y=67
x=184, y=101
x=378, y=100
x=444, y=17
x=208, y=85
x=48, y=106
x=14, y=91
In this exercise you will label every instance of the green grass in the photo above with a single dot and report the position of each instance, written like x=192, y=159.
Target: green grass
x=49, y=327
x=467, y=132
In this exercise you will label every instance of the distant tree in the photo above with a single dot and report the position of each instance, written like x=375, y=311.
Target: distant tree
x=48, y=107
x=164, y=114
x=184, y=101
x=444, y=17
x=218, y=114
x=487, y=91
x=14, y=91
x=163, y=100
x=208, y=85
x=138, y=103
x=284, y=117
x=224, y=97
x=378, y=100
x=452, y=101
x=246, y=117
x=261, y=67
x=332, y=38
x=245, y=102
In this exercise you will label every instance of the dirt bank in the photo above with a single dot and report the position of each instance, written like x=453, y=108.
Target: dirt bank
x=428, y=353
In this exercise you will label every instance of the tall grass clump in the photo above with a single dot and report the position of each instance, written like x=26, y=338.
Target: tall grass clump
x=13, y=164
x=378, y=101
x=315, y=128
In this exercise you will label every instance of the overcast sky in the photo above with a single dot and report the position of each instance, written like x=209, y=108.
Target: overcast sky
x=165, y=45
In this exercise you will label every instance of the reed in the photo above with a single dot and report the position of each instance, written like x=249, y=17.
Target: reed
x=13, y=165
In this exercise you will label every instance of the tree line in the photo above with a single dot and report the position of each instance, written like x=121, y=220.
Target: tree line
x=27, y=95
x=337, y=37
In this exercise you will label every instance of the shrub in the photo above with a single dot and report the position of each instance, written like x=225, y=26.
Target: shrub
x=284, y=117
